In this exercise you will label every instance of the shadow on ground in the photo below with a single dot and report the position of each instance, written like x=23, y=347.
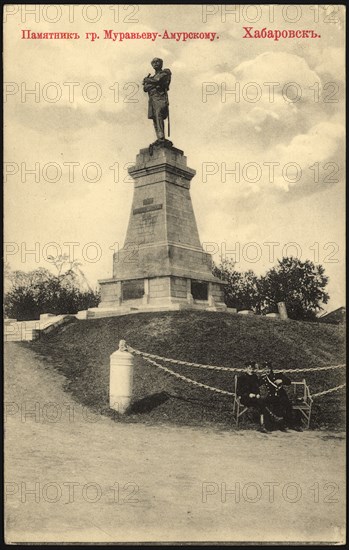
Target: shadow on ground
x=148, y=403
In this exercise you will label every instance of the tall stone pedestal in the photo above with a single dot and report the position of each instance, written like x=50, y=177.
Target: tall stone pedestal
x=162, y=264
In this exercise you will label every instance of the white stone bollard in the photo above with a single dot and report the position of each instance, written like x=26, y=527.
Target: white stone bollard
x=121, y=378
x=282, y=311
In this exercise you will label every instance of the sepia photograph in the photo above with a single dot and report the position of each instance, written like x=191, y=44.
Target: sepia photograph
x=174, y=274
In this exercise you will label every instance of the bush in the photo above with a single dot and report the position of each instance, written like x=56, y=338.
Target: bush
x=243, y=288
x=39, y=291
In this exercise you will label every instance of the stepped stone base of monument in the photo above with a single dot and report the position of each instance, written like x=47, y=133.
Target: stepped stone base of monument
x=96, y=313
x=161, y=293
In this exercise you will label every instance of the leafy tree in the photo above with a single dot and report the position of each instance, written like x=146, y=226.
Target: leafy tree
x=301, y=285
x=73, y=272
x=243, y=288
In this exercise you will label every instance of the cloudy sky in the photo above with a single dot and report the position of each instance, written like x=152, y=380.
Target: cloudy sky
x=284, y=140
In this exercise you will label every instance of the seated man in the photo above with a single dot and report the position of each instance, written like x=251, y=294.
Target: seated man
x=248, y=391
x=277, y=400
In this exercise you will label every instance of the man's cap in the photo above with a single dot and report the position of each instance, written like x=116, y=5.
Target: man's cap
x=267, y=364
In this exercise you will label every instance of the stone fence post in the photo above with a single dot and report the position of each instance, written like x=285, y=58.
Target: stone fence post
x=121, y=378
x=282, y=310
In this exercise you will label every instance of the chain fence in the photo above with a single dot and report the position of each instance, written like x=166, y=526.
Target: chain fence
x=150, y=358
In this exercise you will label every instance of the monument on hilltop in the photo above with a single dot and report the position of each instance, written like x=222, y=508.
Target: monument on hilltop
x=162, y=264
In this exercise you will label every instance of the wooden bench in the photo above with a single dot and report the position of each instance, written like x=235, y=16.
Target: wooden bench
x=300, y=398
x=238, y=408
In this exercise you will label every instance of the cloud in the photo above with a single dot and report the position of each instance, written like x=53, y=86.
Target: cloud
x=312, y=152
x=278, y=67
x=332, y=63
x=264, y=101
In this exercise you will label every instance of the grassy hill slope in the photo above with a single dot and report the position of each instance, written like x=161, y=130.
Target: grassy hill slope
x=81, y=352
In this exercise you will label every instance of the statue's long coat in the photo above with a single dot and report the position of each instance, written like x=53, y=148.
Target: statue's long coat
x=157, y=87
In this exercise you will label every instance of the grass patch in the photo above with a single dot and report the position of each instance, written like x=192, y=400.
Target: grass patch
x=81, y=352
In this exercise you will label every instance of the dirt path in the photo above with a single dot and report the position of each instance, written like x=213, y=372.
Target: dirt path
x=157, y=483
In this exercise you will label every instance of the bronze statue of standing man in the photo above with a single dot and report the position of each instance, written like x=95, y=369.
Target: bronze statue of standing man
x=157, y=87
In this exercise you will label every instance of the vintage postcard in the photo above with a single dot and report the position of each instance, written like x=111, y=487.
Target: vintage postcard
x=174, y=301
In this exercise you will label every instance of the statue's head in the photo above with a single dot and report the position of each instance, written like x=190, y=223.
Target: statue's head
x=157, y=63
